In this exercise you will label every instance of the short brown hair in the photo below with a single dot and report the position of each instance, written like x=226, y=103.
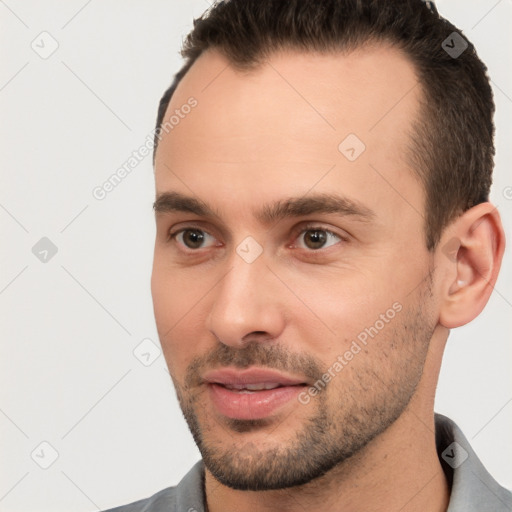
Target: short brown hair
x=451, y=149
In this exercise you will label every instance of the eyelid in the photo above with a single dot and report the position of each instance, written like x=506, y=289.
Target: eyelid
x=311, y=225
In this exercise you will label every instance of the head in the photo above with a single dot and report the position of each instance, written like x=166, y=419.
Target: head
x=321, y=214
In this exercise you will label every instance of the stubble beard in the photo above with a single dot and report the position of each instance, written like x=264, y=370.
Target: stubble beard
x=375, y=390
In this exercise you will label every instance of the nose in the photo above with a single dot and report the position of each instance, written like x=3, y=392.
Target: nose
x=247, y=304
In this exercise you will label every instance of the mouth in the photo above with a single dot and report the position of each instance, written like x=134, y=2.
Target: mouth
x=250, y=394
x=250, y=388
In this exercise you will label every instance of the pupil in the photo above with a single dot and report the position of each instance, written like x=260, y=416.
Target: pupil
x=317, y=239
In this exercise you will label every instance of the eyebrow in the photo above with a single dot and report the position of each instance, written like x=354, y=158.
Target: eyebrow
x=167, y=202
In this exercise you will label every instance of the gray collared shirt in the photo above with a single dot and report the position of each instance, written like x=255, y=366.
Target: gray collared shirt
x=473, y=489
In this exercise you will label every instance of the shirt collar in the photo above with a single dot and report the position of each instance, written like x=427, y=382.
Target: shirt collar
x=473, y=489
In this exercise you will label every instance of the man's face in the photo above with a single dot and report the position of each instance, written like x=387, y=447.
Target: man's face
x=245, y=298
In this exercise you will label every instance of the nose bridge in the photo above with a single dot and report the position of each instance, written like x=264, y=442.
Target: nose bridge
x=245, y=302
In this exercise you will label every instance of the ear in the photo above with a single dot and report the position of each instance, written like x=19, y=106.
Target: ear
x=470, y=253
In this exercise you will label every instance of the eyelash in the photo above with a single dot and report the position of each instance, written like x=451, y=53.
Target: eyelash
x=299, y=231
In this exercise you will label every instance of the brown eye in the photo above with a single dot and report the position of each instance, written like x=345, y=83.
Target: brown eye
x=315, y=239
x=192, y=238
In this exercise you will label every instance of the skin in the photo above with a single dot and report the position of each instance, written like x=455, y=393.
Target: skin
x=267, y=135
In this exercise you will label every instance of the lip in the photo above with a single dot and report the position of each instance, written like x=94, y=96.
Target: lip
x=250, y=405
x=232, y=376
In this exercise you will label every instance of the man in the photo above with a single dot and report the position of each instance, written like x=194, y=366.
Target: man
x=322, y=179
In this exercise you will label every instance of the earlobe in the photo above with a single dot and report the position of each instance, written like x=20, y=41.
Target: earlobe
x=470, y=253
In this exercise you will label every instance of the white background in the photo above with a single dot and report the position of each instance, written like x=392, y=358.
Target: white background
x=69, y=326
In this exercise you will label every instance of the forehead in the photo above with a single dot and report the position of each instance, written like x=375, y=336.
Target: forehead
x=290, y=120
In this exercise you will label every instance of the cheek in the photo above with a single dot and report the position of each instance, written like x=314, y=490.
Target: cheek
x=342, y=310
x=176, y=294
x=337, y=299
x=181, y=345
x=175, y=308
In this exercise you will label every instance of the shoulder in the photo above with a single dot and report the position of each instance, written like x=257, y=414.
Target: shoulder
x=164, y=500
x=187, y=496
